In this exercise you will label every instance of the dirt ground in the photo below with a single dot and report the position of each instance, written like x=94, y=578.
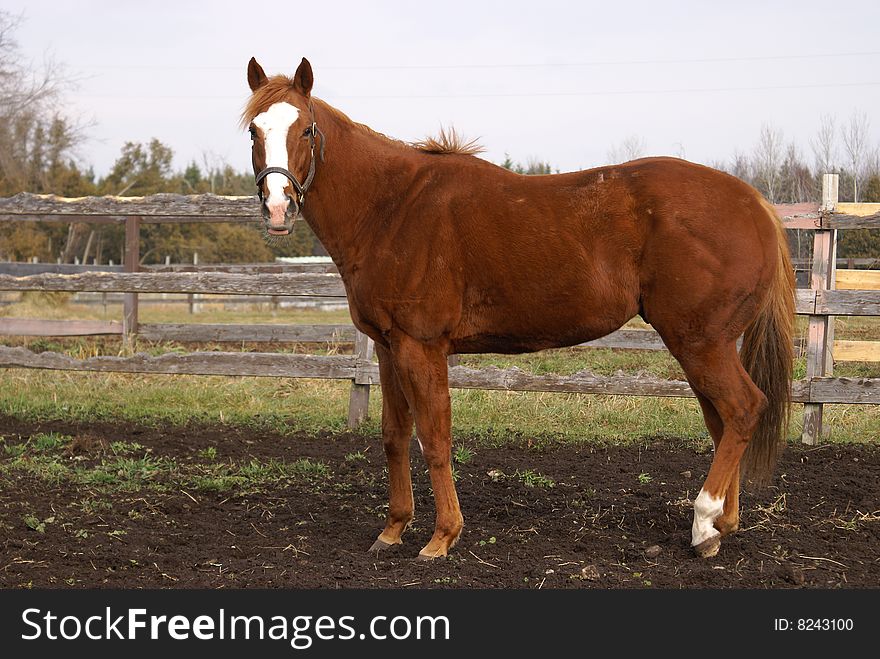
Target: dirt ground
x=537, y=515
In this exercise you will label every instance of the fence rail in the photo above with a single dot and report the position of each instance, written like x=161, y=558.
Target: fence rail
x=284, y=281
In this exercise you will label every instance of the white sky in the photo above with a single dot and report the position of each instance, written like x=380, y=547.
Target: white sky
x=559, y=81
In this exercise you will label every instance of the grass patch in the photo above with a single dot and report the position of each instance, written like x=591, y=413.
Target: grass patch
x=119, y=471
x=38, y=443
x=287, y=406
x=462, y=454
x=45, y=467
x=292, y=405
x=48, y=441
x=125, y=448
x=126, y=473
x=532, y=478
x=14, y=450
x=256, y=475
x=36, y=524
x=279, y=405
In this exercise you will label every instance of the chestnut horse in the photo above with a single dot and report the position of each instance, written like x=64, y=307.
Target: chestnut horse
x=441, y=252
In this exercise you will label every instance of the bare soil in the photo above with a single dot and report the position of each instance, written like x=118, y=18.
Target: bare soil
x=537, y=515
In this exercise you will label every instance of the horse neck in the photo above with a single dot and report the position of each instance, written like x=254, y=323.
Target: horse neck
x=361, y=175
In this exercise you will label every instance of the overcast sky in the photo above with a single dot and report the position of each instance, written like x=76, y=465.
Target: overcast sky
x=559, y=81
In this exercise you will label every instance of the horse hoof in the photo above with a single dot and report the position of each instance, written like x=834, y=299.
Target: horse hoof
x=429, y=557
x=709, y=547
x=381, y=545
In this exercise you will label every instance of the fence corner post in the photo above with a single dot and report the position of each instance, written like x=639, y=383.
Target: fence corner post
x=359, y=399
x=820, y=332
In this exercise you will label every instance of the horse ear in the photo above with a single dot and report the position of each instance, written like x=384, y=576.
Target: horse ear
x=303, y=79
x=256, y=76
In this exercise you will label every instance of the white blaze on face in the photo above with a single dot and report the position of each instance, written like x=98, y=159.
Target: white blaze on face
x=275, y=123
x=706, y=510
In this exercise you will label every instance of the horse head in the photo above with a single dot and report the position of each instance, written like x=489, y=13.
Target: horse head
x=281, y=121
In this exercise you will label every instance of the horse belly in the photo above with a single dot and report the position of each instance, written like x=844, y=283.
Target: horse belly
x=529, y=328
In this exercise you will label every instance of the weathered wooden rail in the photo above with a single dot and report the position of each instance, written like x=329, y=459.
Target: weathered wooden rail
x=820, y=303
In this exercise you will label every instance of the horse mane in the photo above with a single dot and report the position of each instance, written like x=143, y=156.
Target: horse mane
x=277, y=88
x=449, y=141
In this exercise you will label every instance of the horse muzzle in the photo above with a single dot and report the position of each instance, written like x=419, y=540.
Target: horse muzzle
x=278, y=218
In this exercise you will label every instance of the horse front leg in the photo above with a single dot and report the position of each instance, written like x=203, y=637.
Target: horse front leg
x=423, y=377
x=397, y=424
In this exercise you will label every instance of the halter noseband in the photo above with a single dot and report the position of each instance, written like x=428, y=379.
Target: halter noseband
x=301, y=188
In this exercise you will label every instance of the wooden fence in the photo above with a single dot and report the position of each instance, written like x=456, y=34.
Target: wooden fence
x=820, y=303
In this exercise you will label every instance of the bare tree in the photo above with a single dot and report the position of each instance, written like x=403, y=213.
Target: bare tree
x=797, y=179
x=37, y=141
x=213, y=166
x=824, y=145
x=872, y=163
x=740, y=166
x=34, y=135
x=631, y=148
x=855, y=143
x=767, y=160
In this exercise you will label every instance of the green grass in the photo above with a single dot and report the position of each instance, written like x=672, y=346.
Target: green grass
x=48, y=441
x=281, y=405
x=36, y=524
x=532, y=478
x=462, y=454
x=256, y=475
x=118, y=471
x=44, y=467
x=289, y=405
x=29, y=307
x=125, y=448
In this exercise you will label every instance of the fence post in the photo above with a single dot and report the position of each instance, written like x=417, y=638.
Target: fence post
x=359, y=399
x=191, y=298
x=132, y=264
x=820, y=332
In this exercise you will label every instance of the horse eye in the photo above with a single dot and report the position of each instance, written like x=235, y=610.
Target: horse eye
x=253, y=132
x=307, y=132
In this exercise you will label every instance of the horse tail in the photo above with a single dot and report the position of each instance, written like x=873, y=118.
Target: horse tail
x=767, y=354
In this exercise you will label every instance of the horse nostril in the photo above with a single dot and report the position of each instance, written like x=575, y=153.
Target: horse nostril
x=292, y=208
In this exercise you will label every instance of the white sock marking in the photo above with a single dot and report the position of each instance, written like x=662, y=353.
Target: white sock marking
x=275, y=123
x=706, y=510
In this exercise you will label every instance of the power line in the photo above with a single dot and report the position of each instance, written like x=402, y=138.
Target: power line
x=527, y=65
x=618, y=92
x=504, y=65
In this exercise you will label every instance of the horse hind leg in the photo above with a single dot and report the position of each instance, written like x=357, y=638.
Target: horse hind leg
x=728, y=521
x=717, y=373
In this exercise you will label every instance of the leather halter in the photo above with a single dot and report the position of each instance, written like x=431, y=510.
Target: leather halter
x=301, y=188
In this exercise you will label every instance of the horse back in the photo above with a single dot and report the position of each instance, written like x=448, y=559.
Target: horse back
x=491, y=261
